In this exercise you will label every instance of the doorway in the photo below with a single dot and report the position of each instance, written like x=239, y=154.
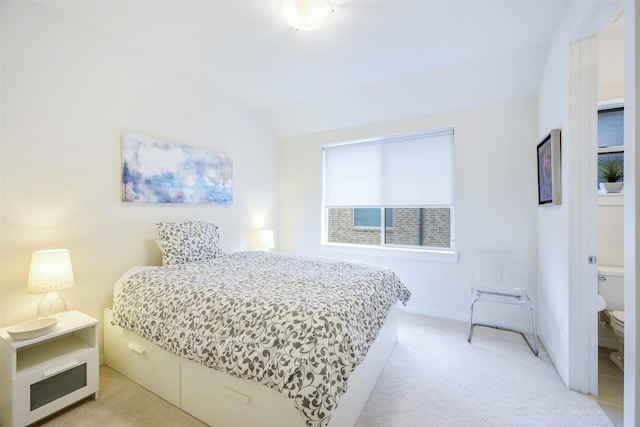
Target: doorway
x=610, y=213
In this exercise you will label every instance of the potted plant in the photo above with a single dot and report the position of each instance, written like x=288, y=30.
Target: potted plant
x=611, y=169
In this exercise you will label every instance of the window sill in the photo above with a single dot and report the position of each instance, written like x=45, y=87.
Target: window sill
x=449, y=256
x=610, y=199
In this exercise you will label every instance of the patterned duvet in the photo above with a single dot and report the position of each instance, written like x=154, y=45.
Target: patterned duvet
x=298, y=325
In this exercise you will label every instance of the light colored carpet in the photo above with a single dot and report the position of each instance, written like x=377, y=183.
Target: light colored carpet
x=121, y=403
x=434, y=378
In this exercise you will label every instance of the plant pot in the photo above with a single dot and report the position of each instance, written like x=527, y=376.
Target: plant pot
x=611, y=187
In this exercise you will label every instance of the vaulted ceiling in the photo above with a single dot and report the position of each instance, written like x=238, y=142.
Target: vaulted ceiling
x=244, y=49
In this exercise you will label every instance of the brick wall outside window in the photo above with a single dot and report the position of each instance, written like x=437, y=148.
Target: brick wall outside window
x=405, y=230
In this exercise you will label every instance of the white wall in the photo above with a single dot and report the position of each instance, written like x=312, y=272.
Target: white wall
x=562, y=239
x=553, y=222
x=611, y=64
x=495, y=197
x=611, y=230
x=67, y=95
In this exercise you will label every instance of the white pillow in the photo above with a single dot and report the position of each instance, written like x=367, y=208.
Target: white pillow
x=183, y=242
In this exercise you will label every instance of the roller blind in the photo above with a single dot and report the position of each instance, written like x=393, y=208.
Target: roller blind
x=401, y=170
x=611, y=127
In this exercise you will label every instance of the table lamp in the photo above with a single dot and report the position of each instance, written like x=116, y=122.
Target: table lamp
x=49, y=273
x=266, y=240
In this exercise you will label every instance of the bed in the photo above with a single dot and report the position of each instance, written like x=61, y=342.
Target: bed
x=253, y=338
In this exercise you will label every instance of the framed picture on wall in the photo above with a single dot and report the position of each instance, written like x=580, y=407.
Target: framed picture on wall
x=159, y=171
x=549, y=171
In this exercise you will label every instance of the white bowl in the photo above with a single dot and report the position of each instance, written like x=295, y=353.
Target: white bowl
x=32, y=328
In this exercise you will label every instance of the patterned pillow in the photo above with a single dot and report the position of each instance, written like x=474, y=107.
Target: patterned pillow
x=189, y=241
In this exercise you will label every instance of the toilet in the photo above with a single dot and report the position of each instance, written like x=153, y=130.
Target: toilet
x=611, y=309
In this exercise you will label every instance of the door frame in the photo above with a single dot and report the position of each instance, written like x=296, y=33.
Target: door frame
x=583, y=337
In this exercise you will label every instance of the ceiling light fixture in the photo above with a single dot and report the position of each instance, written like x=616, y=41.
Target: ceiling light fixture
x=306, y=15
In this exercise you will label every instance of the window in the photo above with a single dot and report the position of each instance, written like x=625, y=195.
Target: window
x=402, y=181
x=610, y=127
x=371, y=217
x=610, y=139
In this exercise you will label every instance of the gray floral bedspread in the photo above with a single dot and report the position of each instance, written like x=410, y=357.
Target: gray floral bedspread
x=298, y=325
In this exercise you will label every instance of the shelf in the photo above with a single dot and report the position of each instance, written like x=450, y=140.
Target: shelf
x=72, y=322
x=49, y=353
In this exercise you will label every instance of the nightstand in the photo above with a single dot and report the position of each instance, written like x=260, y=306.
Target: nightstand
x=45, y=374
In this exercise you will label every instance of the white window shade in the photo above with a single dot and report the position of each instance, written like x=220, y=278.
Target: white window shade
x=611, y=127
x=352, y=175
x=405, y=170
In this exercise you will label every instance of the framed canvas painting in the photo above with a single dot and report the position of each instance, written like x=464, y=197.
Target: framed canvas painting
x=157, y=171
x=549, y=170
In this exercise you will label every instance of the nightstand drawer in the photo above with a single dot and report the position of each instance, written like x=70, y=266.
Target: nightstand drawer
x=142, y=361
x=55, y=385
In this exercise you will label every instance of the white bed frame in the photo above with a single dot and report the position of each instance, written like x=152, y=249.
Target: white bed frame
x=222, y=400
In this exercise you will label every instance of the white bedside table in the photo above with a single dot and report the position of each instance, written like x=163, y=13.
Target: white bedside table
x=44, y=374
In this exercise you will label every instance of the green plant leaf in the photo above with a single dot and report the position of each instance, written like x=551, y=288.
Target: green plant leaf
x=610, y=167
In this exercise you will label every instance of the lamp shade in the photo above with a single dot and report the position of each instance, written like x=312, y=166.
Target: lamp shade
x=306, y=15
x=266, y=239
x=50, y=271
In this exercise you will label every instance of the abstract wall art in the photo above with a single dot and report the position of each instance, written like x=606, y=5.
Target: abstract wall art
x=157, y=171
x=549, y=170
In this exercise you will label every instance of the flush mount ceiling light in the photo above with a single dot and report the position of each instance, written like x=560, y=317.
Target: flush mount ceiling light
x=306, y=15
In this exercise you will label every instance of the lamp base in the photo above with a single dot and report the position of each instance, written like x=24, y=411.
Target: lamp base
x=52, y=305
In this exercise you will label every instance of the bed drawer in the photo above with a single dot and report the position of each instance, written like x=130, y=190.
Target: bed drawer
x=234, y=402
x=142, y=361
